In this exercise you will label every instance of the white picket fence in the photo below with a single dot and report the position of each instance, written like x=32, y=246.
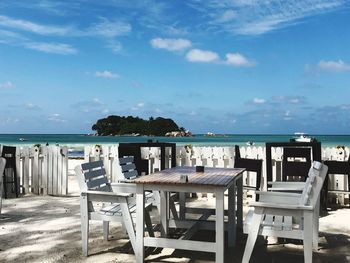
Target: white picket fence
x=43, y=169
x=214, y=157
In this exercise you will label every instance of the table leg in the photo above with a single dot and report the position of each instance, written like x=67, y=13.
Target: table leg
x=232, y=216
x=182, y=204
x=240, y=202
x=164, y=213
x=219, y=226
x=140, y=204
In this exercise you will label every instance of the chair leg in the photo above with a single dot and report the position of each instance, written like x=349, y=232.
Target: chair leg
x=84, y=224
x=308, y=236
x=148, y=223
x=129, y=224
x=1, y=191
x=105, y=230
x=316, y=224
x=253, y=234
x=173, y=208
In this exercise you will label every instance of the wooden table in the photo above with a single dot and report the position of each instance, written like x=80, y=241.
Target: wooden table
x=213, y=180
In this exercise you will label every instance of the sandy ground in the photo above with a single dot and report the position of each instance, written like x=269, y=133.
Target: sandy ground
x=47, y=229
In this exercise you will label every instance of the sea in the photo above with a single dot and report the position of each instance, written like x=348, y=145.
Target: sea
x=75, y=142
x=197, y=140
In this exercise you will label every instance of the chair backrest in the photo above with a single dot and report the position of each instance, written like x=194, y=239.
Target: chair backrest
x=251, y=165
x=296, y=162
x=128, y=167
x=9, y=153
x=2, y=168
x=92, y=176
x=313, y=184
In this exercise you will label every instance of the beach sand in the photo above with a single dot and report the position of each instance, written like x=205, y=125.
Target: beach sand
x=47, y=229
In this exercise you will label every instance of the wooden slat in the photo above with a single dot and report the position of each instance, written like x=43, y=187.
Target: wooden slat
x=278, y=222
x=115, y=163
x=124, y=160
x=131, y=174
x=128, y=167
x=35, y=171
x=65, y=171
x=96, y=183
x=94, y=173
x=91, y=165
x=59, y=170
x=268, y=221
x=54, y=170
x=50, y=170
x=106, y=162
x=44, y=172
x=287, y=223
x=26, y=170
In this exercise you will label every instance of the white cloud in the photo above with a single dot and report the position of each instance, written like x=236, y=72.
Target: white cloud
x=116, y=47
x=55, y=48
x=7, y=85
x=207, y=56
x=31, y=106
x=140, y=104
x=227, y=16
x=33, y=27
x=333, y=66
x=105, y=28
x=56, y=118
x=251, y=17
x=171, y=44
x=97, y=101
x=106, y=74
x=237, y=60
x=259, y=101
x=198, y=55
x=109, y=29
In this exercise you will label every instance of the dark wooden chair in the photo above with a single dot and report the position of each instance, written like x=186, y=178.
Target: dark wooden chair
x=10, y=173
x=296, y=163
x=251, y=165
x=335, y=167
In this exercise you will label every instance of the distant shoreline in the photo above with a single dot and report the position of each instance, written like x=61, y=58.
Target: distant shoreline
x=77, y=140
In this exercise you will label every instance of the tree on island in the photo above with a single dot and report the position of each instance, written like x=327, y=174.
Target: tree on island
x=121, y=125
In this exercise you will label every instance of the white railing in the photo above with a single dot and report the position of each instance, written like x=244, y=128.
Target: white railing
x=42, y=169
x=215, y=157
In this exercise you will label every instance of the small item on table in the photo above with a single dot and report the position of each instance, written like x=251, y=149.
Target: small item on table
x=183, y=178
x=199, y=169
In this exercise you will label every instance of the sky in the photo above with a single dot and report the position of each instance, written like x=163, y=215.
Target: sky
x=224, y=66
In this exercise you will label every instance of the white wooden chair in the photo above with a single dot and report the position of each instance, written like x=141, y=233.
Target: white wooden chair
x=99, y=201
x=129, y=172
x=275, y=214
x=2, y=169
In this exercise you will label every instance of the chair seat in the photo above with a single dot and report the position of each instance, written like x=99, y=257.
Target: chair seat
x=273, y=222
x=115, y=209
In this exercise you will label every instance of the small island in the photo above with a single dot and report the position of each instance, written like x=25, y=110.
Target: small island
x=114, y=125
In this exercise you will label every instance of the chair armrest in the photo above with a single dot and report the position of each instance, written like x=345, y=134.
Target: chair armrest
x=129, y=188
x=279, y=197
x=281, y=206
x=105, y=196
x=286, y=186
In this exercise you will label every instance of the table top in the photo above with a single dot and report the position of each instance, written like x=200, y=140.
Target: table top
x=210, y=176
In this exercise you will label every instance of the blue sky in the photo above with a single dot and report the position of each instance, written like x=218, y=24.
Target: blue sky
x=226, y=66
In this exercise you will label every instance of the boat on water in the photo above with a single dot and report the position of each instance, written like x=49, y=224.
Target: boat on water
x=302, y=137
x=249, y=143
x=23, y=139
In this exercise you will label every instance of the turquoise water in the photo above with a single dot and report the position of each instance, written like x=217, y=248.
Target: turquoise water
x=199, y=140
